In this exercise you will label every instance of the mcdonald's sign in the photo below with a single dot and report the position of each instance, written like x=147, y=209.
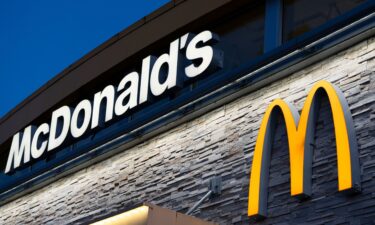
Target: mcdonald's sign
x=300, y=134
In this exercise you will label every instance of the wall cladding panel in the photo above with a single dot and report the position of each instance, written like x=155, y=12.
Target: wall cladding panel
x=173, y=169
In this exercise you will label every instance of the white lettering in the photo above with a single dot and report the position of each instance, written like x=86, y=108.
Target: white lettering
x=79, y=122
x=161, y=78
x=59, y=126
x=205, y=53
x=19, y=149
x=36, y=151
x=145, y=77
x=157, y=76
x=131, y=92
x=108, y=93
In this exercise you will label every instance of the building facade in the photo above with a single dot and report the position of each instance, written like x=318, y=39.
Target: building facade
x=166, y=150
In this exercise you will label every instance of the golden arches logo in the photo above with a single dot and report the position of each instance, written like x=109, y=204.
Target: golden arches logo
x=300, y=133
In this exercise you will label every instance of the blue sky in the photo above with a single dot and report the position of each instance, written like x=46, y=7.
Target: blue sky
x=39, y=38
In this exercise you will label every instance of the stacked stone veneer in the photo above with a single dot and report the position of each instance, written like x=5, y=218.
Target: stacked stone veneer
x=172, y=169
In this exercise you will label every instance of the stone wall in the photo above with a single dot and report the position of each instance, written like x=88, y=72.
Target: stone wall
x=173, y=169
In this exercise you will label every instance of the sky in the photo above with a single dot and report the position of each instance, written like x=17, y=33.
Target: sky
x=39, y=38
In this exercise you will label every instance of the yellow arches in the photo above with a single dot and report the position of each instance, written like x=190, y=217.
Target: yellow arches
x=300, y=133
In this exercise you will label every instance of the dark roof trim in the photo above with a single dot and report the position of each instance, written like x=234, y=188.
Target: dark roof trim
x=136, y=37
